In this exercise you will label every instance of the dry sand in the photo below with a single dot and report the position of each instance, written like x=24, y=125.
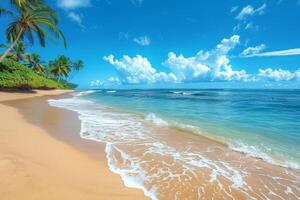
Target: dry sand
x=36, y=165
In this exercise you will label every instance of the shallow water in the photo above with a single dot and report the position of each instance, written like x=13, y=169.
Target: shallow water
x=149, y=141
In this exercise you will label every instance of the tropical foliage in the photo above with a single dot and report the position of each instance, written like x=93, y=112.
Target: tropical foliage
x=31, y=17
x=31, y=20
x=35, y=63
x=62, y=66
x=15, y=75
x=17, y=52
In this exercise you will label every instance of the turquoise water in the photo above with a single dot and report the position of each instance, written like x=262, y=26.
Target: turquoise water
x=260, y=123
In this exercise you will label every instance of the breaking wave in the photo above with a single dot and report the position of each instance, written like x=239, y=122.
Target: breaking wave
x=147, y=163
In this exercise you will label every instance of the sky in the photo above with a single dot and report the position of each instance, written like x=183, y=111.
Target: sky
x=178, y=44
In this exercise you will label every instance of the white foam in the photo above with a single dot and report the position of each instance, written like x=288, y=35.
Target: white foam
x=156, y=120
x=124, y=130
x=111, y=91
x=183, y=93
x=254, y=151
x=82, y=93
x=131, y=175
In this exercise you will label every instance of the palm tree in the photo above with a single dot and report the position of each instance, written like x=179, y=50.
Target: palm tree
x=60, y=67
x=21, y=4
x=35, y=63
x=4, y=11
x=18, y=52
x=77, y=65
x=36, y=18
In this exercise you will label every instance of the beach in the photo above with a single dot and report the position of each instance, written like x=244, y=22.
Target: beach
x=174, y=159
x=67, y=145
x=35, y=164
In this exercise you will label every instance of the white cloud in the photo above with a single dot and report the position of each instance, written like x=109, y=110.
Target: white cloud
x=248, y=52
x=278, y=74
x=287, y=52
x=73, y=4
x=138, y=70
x=250, y=11
x=234, y=8
x=251, y=25
x=96, y=83
x=206, y=66
x=114, y=80
x=186, y=68
x=75, y=17
x=143, y=40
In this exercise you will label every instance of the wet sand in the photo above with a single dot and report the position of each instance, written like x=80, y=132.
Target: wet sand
x=38, y=157
x=67, y=166
x=195, y=167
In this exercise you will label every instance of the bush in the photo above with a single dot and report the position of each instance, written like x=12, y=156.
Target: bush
x=14, y=75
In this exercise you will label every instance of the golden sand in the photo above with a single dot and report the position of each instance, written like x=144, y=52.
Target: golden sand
x=35, y=165
x=43, y=157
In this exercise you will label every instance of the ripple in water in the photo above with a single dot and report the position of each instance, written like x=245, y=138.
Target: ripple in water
x=167, y=164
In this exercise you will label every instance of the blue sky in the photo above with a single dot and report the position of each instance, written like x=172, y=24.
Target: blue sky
x=172, y=43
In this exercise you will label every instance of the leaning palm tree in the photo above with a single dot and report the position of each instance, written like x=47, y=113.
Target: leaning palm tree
x=18, y=52
x=35, y=63
x=60, y=67
x=41, y=20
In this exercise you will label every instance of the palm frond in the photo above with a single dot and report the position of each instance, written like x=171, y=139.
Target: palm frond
x=4, y=11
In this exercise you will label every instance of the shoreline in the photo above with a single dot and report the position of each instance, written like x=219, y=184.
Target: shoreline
x=215, y=169
x=186, y=129
x=42, y=165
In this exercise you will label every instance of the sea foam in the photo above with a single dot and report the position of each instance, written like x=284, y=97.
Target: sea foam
x=131, y=149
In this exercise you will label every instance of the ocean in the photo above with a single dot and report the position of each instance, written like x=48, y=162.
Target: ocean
x=177, y=144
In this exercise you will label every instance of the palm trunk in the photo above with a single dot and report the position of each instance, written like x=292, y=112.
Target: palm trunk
x=11, y=46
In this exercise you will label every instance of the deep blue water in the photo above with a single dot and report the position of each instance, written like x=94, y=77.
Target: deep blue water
x=262, y=123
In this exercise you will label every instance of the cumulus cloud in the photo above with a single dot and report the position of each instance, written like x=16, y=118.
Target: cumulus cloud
x=250, y=51
x=287, y=52
x=206, y=65
x=251, y=11
x=278, y=74
x=138, y=70
x=73, y=4
x=143, y=40
x=186, y=68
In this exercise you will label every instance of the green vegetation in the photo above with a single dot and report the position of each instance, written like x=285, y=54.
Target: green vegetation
x=14, y=75
x=31, y=17
x=30, y=20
